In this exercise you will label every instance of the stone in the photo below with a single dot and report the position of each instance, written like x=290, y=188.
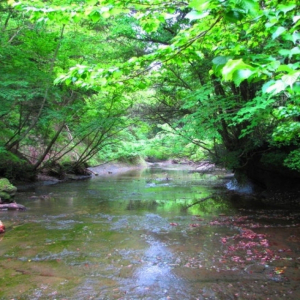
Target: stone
x=12, y=206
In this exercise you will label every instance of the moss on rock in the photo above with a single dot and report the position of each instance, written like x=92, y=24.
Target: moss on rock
x=4, y=196
x=7, y=190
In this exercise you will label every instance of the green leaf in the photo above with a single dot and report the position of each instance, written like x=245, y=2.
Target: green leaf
x=284, y=52
x=294, y=51
x=94, y=16
x=285, y=8
x=296, y=88
x=296, y=19
x=278, y=32
x=117, y=11
x=250, y=6
x=218, y=63
x=101, y=81
x=150, y=25
x=220, y=60
x=199, y=5
x=274, y=87
x=289, y=53
x=285, y=68
x=233, y=66
x=234, y=16
x=241, y=75
x=271, y=23
x=194, y=15
x=295, y=37
x=290, y=79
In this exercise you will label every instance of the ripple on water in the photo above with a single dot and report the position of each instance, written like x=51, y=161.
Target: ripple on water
x=149, y=222
x=62, y=224
x=47, y=256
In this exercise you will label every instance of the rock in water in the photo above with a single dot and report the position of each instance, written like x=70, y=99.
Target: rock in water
x=12, y=206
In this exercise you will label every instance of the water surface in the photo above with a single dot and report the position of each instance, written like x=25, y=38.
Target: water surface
x=139, y=236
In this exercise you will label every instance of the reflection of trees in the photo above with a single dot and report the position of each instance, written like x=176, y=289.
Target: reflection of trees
x=201, y=200
x=206, y=205
x=213, y=205
x=141, y=205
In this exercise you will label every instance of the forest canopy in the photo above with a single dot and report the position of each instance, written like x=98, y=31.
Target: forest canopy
x=88, y=81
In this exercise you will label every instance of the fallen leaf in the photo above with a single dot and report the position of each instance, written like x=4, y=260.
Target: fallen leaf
x=173, y=224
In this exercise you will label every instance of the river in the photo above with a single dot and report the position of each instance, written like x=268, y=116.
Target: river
x=137, y=235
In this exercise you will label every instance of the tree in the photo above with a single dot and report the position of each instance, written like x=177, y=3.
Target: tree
x=225, y=73
x=40, y=120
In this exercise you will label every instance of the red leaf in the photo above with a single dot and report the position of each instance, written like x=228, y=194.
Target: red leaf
x=173, y=224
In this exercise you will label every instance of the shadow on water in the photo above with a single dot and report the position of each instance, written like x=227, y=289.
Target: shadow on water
x=147, y=234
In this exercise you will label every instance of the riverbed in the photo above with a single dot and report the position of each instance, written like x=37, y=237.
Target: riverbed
x=155, y=233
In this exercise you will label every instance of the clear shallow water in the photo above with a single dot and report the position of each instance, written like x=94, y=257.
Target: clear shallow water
x=132, y=237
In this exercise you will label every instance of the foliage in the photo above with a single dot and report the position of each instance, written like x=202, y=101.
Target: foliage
x=293, y=160
x=15, y=168
x=220, y=76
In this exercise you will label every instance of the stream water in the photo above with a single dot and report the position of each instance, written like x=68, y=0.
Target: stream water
x=138, y=236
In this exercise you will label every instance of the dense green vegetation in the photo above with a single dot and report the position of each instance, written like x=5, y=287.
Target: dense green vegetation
x=89, y=81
